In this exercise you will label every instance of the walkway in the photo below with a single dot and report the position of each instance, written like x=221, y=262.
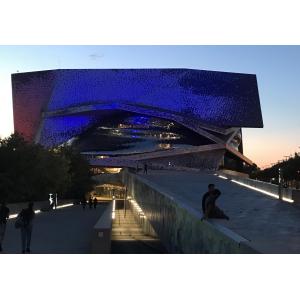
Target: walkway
x=271, y=225
x=67, y=230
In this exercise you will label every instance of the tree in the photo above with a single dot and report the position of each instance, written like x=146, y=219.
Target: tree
x=28, y=172
x=80, y=174
x=290, y=170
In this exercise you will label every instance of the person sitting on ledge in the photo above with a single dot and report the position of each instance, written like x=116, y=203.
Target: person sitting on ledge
x=209, y=208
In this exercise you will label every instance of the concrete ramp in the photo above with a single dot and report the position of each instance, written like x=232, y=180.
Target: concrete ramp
x=258, y=223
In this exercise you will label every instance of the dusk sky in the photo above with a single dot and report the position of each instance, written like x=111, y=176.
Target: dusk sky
x=277, y=69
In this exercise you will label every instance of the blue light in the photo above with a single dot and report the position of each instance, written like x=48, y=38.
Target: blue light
x=218, y=98
x=139, y=120
x=57, y=130
x=188, y=97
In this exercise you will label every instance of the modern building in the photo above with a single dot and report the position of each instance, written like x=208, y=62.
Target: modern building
x=118, y=117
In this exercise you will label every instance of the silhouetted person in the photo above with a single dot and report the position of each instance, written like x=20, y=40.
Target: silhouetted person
x=4, y=215
x=209, y=208
x=83, y=203
x=51, y=200
x=95, y=202
x=145, y=168
x=27, y=216
x=90, y=202
x=137, y=167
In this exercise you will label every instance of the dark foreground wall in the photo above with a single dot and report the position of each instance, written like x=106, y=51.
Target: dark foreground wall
x=179, y=226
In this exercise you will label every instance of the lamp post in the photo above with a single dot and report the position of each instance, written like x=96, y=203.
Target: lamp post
x=280, y=184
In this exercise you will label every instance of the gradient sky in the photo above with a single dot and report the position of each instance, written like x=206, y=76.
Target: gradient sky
x=277, y=69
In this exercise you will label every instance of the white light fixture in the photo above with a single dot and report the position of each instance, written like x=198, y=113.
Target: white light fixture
x=262, y=191
x=113, y=215
x=13, y=216
x=64, y=205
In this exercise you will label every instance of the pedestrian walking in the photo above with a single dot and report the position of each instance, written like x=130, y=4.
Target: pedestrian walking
x=24, y=221
x=95, y=202
x=145, y=168
x=4, y=215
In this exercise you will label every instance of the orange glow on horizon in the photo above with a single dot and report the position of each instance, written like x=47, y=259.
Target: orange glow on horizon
x=265, y=150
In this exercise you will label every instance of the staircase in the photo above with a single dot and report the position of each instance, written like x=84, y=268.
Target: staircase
x=128, y=237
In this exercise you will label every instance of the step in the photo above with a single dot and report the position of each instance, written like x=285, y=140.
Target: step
x=125, y=226
x=116, y=221
x=127, y=232
x=134, y=238
x=124, y=220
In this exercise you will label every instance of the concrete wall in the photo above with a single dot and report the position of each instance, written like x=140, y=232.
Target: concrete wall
x=207, y=160
x=143, y=222
x=265, y=186
x=234, y=173
x=101, y=238
x=178, y=226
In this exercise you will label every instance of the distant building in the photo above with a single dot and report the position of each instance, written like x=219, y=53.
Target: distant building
x=168, y=117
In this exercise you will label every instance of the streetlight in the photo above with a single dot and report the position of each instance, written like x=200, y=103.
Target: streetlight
x=279, y=184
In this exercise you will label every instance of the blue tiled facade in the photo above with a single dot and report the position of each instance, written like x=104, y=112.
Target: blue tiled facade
x=206, y=97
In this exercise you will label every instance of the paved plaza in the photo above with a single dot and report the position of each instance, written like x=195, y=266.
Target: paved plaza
x=271, y=226
x=66, y=230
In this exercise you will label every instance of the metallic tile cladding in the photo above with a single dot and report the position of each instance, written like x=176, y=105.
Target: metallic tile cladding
x=57, y=130
x=215, y=98
x=31, y=93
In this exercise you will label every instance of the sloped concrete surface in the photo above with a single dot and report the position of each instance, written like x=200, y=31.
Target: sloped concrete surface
x=270, y=225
